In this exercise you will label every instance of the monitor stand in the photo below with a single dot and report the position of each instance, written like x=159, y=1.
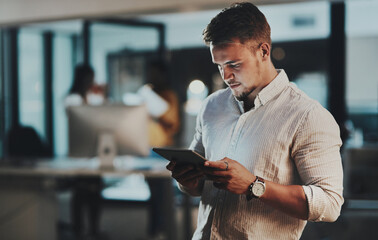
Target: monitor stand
x=107, y=150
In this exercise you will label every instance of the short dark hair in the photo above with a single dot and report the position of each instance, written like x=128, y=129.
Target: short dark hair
x=243, y=21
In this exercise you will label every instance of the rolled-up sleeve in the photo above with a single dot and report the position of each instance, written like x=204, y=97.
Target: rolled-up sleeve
x=316, y=152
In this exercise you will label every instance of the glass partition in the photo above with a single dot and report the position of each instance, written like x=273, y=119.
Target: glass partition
x=31, y=80
x=118, y=53
x=1, y=98
x=62, y=75
x=361, y=64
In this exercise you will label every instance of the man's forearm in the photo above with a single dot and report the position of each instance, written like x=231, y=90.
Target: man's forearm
x=230, y=175
x=289, y=199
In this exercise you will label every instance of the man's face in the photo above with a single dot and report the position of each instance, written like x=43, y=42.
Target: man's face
x=240, y=68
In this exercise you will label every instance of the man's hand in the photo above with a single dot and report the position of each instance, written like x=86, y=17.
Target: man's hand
x=229, y=175
x=188, y=176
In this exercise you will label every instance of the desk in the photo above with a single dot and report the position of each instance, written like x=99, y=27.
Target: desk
x=27, y=190
x=68, y=167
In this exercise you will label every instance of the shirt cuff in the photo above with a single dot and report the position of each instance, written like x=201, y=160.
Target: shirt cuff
x=316, y=204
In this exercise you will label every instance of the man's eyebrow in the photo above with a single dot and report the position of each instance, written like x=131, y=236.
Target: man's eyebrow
x=232, y=61
x=228, y=62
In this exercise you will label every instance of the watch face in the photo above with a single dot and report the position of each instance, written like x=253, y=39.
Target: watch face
x=258, y=189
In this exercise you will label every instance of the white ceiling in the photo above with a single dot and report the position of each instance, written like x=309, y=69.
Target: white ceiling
x=15, y=12
x=360, y=16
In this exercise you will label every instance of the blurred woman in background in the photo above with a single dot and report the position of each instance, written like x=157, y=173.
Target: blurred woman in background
x=84, y=89
x=86, y=197
x=163, y=128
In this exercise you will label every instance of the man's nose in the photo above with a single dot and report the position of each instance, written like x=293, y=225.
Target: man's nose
x=227, y=74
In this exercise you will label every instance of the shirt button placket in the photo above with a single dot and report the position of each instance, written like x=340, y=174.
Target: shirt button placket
x=235, y=135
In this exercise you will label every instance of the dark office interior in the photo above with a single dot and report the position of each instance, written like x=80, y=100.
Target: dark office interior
x=327, y=48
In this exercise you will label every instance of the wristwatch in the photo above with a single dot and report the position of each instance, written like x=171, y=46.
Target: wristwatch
x=256, y=189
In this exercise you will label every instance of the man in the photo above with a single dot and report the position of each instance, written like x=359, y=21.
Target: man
x=274, y=152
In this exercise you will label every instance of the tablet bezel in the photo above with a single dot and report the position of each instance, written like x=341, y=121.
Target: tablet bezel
x=181, y=156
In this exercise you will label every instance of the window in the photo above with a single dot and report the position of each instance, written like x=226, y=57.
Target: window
x=361, y=76
x=112, y=38
x=1, y=97
x=31, y=80
x=362, y=56
x=62, y=79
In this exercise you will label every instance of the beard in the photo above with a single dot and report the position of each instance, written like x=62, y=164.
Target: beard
x=244, y=95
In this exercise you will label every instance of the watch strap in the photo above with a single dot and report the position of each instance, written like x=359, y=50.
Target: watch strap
x=250, y=194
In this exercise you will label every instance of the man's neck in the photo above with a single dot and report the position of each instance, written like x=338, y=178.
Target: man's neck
x=248, y=106
x=249, y=103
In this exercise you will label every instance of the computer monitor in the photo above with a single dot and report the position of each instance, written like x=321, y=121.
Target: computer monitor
x=108, y=129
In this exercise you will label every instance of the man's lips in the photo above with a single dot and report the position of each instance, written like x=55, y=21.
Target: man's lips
x=234, y=85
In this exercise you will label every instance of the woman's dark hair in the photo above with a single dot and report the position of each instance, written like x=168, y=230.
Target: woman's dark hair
x=157, y=75
x=83, y=80
x=243, y=21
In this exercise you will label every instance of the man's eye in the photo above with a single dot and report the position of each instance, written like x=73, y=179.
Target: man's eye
x=235, y=65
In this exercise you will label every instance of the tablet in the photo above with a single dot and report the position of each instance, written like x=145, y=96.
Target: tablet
x=181, y=156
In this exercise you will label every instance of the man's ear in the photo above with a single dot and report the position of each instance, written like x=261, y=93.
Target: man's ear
x=265, y=50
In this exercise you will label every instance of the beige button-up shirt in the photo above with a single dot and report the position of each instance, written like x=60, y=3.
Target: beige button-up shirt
x=286, y=138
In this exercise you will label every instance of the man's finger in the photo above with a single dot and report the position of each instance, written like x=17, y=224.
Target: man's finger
x=224, y=165
x=220, y=185
x=216, y=172
x=171, y=165
x=182, y=169
x=216, y=178
x=190, y=177
x=184, y=172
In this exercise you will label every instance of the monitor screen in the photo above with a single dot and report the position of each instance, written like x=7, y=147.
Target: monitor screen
x=126, y=126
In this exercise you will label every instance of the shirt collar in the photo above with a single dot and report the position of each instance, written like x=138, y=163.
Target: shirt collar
x=275, y=87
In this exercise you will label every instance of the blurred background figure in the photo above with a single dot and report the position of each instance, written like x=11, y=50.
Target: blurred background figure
x=165, y=122
x=163, y=106
x=86, y=197
x=84, y=89
x=24, y=142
